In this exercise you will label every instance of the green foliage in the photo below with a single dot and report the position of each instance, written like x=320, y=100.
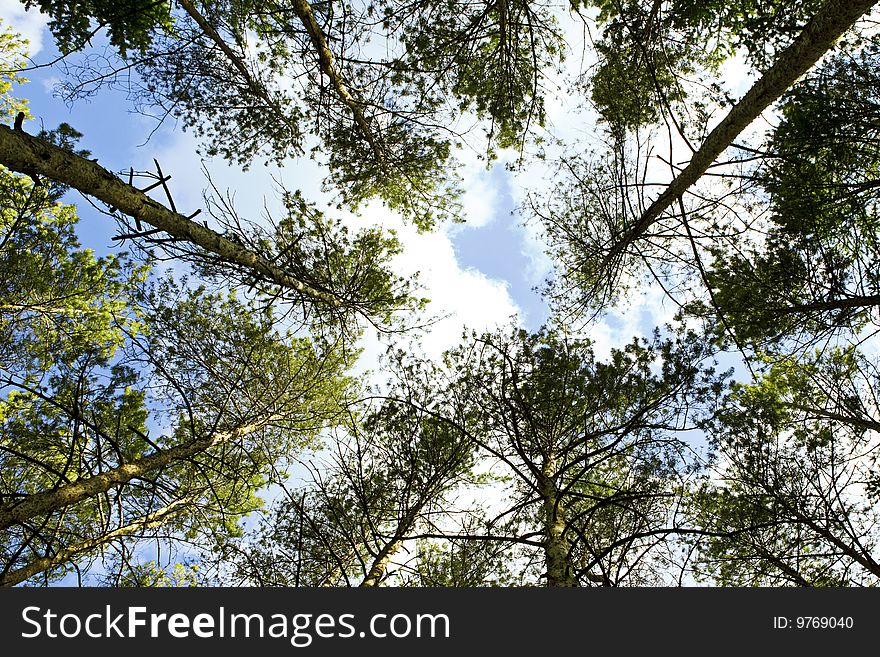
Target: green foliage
x=320, y=251
x=410, y=174
x=101, y=365
x=648, y=48
x=130, y=24
x=153, y=576
x=13, y=50
x=825, y=155
x=185, y=73
x=388, y=476
x=644, y=54
x=637, y=79
x=490, y=58
x=591, y=440
x=787, y=504
x=760, y=28
x=395, y=153
x=462, y=563
x=58, y=301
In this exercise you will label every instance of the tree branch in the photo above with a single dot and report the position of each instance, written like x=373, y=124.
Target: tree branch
x=150, y=520
x=63, y=496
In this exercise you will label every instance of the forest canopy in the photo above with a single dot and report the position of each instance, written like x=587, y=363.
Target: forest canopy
x=192, y=405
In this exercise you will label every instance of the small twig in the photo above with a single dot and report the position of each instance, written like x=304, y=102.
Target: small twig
x=162, y=180
x=137, y=222
x=139, y=234
x=155, y=185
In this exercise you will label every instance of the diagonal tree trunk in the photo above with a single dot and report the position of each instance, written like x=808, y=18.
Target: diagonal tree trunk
x=53, y=500
x=379, y=566
x=304, y=12
x=254, y=86
x=26, y=154
x=150, y=520
x=817, y=37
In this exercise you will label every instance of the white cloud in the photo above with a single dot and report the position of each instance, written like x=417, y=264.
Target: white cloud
x=617, y=329
x=534, y=248
x=30, y=24
x=50, y=83
x=736, y=76
x=462, y=298
x=480, y=196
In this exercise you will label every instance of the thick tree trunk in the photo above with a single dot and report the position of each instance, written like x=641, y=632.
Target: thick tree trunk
x=144, y=523
x=817, y=37
x=54, y=500
x=26, y=154
x=379, y=566
x=556, y=546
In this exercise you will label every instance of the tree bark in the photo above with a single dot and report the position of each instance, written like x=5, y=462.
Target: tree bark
x=379, y=566
x=556, y=547
x=817, y=37
x=26, y=154
x=54, y=500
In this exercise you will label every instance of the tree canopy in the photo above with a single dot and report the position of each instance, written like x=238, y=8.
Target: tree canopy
x=198, y=385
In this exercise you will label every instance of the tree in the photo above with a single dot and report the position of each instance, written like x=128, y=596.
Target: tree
x=137, y=406
x=814, y=276
x=307, y=261
x=609, y=246
x=490, y=57
x=215, y=65
x=793, y=497
x=131, y=24
x=591, y=449
x=586, y=486
x=390, y=478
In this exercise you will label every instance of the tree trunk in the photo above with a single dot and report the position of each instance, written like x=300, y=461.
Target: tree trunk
x=38, y=566
x=380, y=564
x=26, y=154
x=817, y=37
x=304, y=12
x=54, y=500
x=556, y=547
x=254, y=85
